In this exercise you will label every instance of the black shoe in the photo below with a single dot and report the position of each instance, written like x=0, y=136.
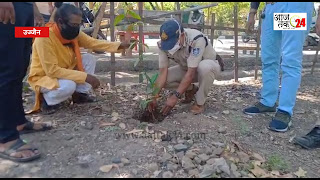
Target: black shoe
x=258, y=108
x=281, y=122
x=46, y=109
x=82, y=98
x=309, y=141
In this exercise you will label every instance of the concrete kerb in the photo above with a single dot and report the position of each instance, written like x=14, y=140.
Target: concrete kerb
x=228, y=37
x=151, y=63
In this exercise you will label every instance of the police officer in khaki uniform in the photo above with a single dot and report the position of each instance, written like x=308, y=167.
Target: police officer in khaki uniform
x=196, y=60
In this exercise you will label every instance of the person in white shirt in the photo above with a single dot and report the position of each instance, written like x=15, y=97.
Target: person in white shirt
x=45, y=8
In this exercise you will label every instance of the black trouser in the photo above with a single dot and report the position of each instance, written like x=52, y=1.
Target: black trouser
x=14, y=61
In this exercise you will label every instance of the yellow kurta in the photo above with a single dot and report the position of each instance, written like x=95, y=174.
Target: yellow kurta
x=51, y=60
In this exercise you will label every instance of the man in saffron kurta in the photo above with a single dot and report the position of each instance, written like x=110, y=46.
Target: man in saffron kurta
x=55, y=71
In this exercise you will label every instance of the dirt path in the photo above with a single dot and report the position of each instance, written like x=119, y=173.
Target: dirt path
x=223, y=138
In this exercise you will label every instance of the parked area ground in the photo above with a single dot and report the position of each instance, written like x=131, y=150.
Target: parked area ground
x=102, y=139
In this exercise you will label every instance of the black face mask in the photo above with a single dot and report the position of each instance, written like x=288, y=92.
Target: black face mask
x=69, y=32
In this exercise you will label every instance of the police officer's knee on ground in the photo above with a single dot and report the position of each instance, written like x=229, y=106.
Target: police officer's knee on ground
x=196, y=61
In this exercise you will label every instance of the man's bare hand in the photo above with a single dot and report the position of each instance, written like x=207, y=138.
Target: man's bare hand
x=39, y=20
x=93, y=81
x=220, y=61
x=250, y=24
x=152, y=105
x=7, y=13
x=124, y=45
x=171, y=102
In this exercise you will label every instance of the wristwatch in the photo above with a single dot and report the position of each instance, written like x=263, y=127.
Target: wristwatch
x=177, y=94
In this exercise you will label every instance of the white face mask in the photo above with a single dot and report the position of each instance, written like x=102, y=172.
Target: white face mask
x=175, y=48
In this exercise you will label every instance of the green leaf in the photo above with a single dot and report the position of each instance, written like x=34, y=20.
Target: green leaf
x=147, y=102
x=149, y=89
x=132, y=45
x=134, y=40
x=139, y=23
x=156, y=91
x=141, y=57
x=125, y=10
x=148, y=77
x=138, y=60
x=144, y=103
x=118, y=19
x=134, y=15
x=146, y=45
x=131, y=27
x=154, y=78
x=136, y=63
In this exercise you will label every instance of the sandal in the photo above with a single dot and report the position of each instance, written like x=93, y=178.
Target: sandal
x=28, y=128
x=14, y=148
x=46, y=109
x=82, y=98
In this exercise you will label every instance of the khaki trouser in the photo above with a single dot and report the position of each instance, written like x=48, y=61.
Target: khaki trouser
x=207, y=71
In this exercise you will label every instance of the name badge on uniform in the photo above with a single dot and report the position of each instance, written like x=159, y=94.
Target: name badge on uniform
x=195, y=51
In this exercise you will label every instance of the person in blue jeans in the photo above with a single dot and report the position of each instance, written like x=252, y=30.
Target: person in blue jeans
x=277, y=44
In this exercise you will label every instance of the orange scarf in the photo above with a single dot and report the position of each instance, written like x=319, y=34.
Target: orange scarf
x=74, y=43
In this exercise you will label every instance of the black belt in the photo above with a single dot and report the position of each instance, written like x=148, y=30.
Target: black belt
x=195, y=38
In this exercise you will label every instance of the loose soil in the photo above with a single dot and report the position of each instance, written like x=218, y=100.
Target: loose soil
x=89, y=136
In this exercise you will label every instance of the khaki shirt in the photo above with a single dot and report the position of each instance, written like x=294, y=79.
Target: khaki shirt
x=199, y=51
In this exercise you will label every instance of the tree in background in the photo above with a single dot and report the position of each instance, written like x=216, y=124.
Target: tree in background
x=224, y=10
